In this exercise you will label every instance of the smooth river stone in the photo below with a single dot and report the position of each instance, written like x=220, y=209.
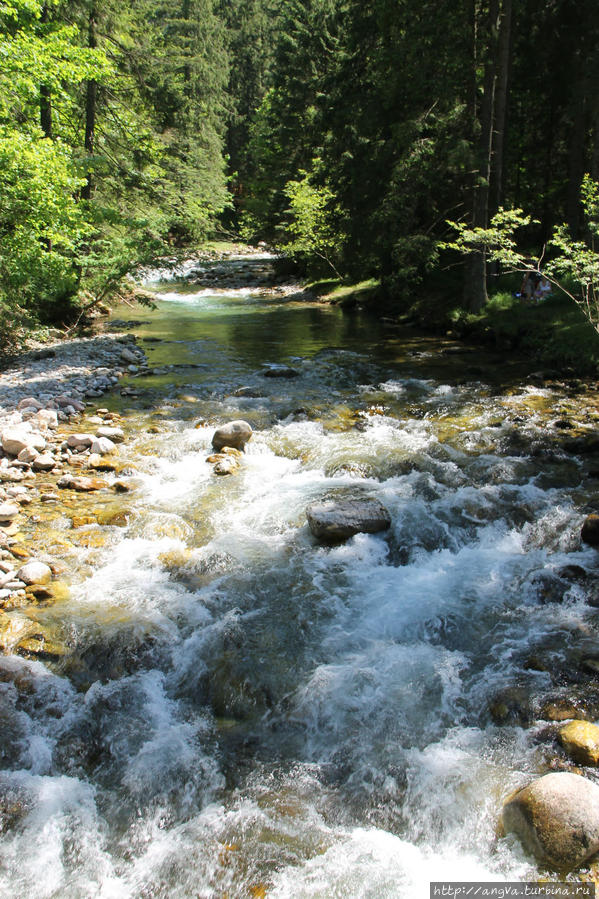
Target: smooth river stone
x=8, y=511
x=14, y=440
x=35, y=572
x=580, y=740
x=556, y=818
x=337, y=520
x=235, y=434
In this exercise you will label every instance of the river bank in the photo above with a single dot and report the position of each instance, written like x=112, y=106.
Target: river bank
x=199, y=696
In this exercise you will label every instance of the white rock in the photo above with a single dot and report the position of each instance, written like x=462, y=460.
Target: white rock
x=117, y=435
x=6, y=578
x=35, y=572
x=16, y=439
x=16, y=491
x=47, y=418
x=11, y=475
x=28, y=454
x=8, y=511
x=44, y=462
x=102, y=445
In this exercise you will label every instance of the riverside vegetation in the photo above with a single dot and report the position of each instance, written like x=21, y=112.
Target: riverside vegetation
x=351, y=137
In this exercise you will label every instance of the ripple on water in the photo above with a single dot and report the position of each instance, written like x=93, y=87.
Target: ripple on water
x=244, y=711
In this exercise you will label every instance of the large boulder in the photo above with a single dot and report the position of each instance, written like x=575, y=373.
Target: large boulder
x=234, y=433
x=580, y=740
x=556, y=818
x=337, y=520
x=16, y=439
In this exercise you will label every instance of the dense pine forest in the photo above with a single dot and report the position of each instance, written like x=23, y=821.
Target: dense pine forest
x=349, y=133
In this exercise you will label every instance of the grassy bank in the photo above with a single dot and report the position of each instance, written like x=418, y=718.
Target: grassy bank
x=553, y=334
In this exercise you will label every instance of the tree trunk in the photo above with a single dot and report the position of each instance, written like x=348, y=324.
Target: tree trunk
x=501, y=100
x=576, y=150
x=45, y=93
x=475, y=268
x=46, y=114
x=90, y=108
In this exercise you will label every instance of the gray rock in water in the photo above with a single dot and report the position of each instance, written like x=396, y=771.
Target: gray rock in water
x=117, y=435
x=281, y=371
x=556, y=818
x=129, y=356
x=234, y=433
x=334, y=520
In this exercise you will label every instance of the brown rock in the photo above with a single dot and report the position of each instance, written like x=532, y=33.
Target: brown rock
x=590, y=530
x=580, y=740
x=83, y=485
x=235, y=434
x=556, y=818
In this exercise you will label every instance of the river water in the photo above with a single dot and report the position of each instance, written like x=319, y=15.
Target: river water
x=247, y=713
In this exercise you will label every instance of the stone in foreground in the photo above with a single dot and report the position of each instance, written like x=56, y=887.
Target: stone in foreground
x=556, y=818
x=234, y=433
x=334, y=520
x=35, y=572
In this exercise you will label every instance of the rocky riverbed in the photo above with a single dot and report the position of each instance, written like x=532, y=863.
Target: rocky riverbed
x=45, y=455
x=167, y=581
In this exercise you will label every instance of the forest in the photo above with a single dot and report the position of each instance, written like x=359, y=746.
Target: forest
x=348, y=134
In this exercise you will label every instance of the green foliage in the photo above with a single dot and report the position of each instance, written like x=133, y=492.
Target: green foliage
x=574, y=261
x=311, y=230
x=95, y=183
x=579, y=260
x=40, y=222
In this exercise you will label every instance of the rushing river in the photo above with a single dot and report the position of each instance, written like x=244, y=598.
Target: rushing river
x=248, y=713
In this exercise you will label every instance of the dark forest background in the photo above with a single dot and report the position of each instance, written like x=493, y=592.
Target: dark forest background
x=346, y=132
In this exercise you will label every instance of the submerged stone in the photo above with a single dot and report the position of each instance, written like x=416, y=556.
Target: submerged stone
x=281, y=372
x=81, y=484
